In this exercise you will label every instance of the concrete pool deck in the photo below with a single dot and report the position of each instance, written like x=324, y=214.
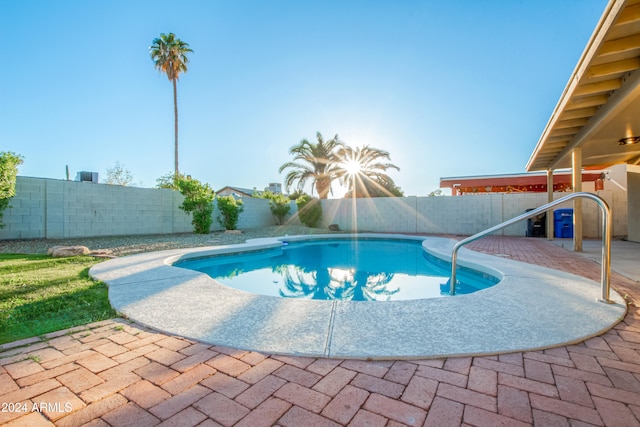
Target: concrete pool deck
x=531, y=308
x=117, y=372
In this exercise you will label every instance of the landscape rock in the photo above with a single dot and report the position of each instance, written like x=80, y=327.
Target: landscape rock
x=102, y=253
x=67, y=251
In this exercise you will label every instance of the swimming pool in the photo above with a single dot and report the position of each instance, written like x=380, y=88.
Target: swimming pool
x=340, y=269
x=531, y=308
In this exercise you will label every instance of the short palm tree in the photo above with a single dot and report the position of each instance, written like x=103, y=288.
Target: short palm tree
x=169, y=55
x=314, y=162
x=363, y=171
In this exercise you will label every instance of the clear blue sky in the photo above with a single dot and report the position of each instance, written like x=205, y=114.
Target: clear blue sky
x=449, y=88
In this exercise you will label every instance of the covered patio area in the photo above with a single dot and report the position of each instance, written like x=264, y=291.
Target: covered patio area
x=596, y=122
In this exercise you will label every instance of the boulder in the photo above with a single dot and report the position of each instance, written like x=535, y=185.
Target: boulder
x=66, y=251
x=334, y=227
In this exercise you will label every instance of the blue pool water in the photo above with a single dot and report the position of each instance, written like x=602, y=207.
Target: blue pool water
x=340, y=269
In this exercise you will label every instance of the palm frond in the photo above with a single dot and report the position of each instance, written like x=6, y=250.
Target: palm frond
x=315, y=162
x=169, y=55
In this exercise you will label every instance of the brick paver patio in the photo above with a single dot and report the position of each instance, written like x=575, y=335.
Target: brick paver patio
x=118, y=373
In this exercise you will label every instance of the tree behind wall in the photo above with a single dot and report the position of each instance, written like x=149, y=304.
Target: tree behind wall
x=8, y=172
x=363, y=170
x=313, y=162
x=119, y=175
x=169, y=55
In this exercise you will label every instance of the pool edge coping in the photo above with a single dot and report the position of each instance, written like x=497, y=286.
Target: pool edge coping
x=154, y=267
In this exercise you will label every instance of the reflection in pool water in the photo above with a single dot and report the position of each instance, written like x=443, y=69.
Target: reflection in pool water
x=340, y=269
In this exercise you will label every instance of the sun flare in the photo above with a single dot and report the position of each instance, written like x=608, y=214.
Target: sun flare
x=352, y=166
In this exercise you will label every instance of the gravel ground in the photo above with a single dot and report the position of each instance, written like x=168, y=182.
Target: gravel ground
x=126, y=245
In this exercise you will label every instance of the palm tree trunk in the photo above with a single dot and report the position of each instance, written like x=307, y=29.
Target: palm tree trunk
x=175, y=125
x=323, y=187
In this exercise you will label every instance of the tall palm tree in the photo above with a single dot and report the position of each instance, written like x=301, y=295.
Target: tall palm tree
x=169, y=55
x=363, y=171
x=314, y=162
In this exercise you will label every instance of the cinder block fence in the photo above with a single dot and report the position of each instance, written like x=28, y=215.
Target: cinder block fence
x=48, y=208
x=463, y=215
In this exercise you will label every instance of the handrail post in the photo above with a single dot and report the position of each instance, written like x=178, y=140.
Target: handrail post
x=605, y=273
x=605, y=276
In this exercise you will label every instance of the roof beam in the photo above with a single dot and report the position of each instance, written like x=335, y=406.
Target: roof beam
x=575, y=114
x=618, y=101
x=623, y=44
x=556, y=139
x=564, y=131
x=551, y=152
x=587, y=101
x=572, y=123
x=557, y=145
x=629, y=14
x=600, y=87
x=613, y=68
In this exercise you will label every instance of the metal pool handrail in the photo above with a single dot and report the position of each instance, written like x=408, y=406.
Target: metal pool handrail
x=605, y=274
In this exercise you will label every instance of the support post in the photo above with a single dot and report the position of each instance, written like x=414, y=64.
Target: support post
x=550, y=223
x=576, y=181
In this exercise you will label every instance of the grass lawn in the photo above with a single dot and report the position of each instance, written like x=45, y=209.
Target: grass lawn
x=40, y=294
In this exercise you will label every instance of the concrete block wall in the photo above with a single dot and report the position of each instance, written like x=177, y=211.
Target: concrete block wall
x=619, y=212
x=592, y=216
x=25, y=217
x=517, y=204
x=256, y=213
x=430, y=215
x=472, y=216
x=461, y=215
x=633, y=212
x=381, y=214
x=46, y=208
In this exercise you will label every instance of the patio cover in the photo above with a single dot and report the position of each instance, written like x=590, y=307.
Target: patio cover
x=599, y=107
x=601, y=102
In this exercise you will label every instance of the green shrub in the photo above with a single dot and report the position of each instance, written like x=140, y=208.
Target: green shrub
x=8, y=172
x=279, y=204
x=198, y=201
x=230, y=209
x=309, y=210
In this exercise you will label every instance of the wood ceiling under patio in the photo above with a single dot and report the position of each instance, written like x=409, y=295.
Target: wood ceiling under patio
x=601, y=102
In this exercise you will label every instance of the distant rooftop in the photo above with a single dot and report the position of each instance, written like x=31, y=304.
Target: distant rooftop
x=248, y=192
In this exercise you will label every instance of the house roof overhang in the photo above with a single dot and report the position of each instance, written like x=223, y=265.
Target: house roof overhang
x=601, y=103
